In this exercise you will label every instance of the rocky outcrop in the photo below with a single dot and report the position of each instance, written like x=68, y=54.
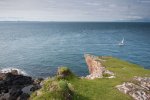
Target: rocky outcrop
x=64, y=72
x=96, y=69
x=14, y=86
x=139, y=88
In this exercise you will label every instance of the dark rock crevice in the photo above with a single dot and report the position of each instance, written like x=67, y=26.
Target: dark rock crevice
x=12, y=85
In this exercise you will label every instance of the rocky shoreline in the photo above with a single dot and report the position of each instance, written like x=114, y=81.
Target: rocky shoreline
x=15, y=86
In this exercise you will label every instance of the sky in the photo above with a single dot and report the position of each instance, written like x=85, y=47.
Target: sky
x=75, y=10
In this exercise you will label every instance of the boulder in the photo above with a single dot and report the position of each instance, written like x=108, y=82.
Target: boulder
x=23, y=96
x=14, y=93
x=14, y=72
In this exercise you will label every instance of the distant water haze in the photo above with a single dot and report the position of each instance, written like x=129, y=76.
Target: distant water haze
x=39, y=48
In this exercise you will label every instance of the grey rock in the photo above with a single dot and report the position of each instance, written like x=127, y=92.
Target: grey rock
x=139, y=89
x=11, y=85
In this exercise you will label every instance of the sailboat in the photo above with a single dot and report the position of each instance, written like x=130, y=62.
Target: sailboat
x=122, y=42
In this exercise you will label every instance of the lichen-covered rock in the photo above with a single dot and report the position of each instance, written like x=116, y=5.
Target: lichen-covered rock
x=139, y=89
x=143, y=81
x=96, y=69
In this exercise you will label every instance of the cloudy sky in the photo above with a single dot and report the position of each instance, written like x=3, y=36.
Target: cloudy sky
x=75, y=10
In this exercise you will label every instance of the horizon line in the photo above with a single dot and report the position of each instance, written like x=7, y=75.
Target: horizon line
x=78, y=21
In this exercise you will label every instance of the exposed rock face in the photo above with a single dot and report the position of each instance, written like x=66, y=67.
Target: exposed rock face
x=12, y=86
x=96, y=69
x=94, y=66
x=139, y=89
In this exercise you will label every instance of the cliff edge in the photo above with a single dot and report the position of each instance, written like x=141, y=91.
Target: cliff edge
x=96, y=68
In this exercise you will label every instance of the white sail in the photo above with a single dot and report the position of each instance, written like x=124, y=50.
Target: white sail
x=122, y=42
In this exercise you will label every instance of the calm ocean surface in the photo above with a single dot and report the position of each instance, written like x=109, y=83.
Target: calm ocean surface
x=39, y=48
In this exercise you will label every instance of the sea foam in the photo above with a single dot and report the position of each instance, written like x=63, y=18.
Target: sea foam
x=7, y=70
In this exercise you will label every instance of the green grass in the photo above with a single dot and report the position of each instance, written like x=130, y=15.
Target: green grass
x=54, y=89
x=103, y=89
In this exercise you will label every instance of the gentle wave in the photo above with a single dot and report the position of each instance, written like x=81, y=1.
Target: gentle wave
x=7, y=70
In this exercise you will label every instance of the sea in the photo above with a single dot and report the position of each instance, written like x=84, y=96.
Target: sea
x=39, y=48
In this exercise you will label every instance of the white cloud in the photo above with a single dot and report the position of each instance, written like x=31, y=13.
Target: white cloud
x=92, y=3
x=144, y=1
x=77, y=10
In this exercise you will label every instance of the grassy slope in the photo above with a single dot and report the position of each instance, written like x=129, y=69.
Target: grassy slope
x=104, y=89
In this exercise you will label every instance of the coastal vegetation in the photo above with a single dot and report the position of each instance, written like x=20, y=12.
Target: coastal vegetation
x=66, y=86
x=109, y=79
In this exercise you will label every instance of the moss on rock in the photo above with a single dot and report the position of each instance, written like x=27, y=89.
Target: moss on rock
x=64, y=73
x=54, y=90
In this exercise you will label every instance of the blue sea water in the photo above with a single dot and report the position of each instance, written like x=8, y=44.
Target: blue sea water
x=39, y=48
